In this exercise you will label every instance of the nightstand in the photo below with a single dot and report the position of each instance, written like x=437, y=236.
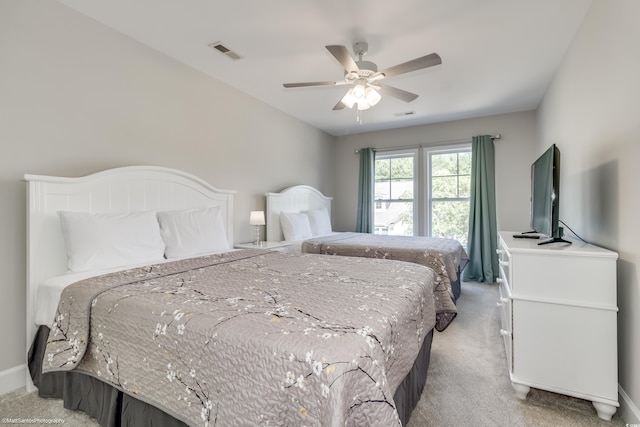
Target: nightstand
x=275, y=246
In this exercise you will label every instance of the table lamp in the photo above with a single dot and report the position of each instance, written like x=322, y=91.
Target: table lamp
x=257, y=219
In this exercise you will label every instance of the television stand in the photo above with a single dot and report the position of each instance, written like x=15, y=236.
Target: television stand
x=558, y=239
x=554, y=240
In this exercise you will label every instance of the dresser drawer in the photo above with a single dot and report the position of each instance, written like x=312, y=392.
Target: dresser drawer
x=504, y=263
x=506, y=321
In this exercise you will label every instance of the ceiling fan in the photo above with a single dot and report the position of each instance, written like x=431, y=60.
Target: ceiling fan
x=364, y=77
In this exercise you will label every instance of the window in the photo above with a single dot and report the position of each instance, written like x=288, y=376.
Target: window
x=430, y=197
x=394, y=193
x=449, y=184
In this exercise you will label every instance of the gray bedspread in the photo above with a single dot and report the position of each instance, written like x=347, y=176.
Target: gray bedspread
x=251, y=337
x=444, y=256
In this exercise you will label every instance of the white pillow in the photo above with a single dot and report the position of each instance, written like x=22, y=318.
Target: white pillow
x=295, y=226
x=319, y=222
x=98, y=241
x=192, y=232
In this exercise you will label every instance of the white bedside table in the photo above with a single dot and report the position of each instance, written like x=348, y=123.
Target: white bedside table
x=276, y=246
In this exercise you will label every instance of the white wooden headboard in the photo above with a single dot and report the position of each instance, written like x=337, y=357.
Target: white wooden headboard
x=298, y=198
x=126, y=189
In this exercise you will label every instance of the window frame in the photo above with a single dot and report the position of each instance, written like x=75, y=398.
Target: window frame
x=428, y=152
x=399, y=153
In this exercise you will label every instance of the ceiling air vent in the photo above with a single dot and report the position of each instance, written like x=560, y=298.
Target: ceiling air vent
x=225, y=51
x=404, y=113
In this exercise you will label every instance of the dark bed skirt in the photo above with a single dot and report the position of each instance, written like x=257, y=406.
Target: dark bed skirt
x=114, y=408
x=410, y=389
x=456, y=288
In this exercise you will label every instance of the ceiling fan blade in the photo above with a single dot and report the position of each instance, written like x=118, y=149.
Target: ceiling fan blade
x=344, y=58
x=402, y=95
x=413, y=65
x=305, y=84
x=339, y=106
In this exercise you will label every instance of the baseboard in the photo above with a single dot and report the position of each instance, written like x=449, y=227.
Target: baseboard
x=12, y=379
x=628, y=409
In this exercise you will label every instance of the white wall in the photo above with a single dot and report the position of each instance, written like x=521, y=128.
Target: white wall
x=591, y=112
x=77, y=97
x=514, y=155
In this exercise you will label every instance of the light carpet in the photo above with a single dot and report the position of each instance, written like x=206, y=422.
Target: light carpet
x=467, y=385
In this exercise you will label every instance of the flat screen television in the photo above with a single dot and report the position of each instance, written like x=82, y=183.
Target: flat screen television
x=545, y=196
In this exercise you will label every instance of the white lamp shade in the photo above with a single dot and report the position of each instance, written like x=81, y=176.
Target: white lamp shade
x=363, y=97
x=372, y=95
x=349, y=99
x=359, y=91
x=363, y=105
x=256, y=218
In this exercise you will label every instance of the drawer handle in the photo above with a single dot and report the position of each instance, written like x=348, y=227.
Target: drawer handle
x=500, y=304
x=504, y=300
x=505, y=333
x=504, y=263
x=499, y=251
x=499, y=280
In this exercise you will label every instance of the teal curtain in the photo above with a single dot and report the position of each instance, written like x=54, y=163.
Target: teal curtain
x=482, y=244
x=364, y=223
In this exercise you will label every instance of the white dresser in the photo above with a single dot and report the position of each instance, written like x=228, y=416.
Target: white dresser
x=559, y=319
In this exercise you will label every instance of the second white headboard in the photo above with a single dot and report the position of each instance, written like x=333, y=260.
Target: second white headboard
x=298, y=198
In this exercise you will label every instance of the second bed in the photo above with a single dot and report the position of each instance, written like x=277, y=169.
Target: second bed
x=289, y=212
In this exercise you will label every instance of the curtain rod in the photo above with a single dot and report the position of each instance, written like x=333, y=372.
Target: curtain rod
x=451, y=141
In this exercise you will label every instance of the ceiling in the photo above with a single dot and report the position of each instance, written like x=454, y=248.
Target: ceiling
x=498, y=56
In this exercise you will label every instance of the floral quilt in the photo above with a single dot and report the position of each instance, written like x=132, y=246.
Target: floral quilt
x=444, y=256
x=251, y=337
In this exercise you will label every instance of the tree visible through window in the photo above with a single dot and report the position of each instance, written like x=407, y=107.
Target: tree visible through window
x=449, y=193
x=394, y=198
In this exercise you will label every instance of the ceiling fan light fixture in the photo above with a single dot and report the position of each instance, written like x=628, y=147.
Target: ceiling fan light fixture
x=348, y=99
x=372, y=96
x=362, y=96
x=359, y=91
x=363, y=105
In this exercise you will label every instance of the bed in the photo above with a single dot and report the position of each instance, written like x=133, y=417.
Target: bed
x=228, y=337
x=446, y=256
